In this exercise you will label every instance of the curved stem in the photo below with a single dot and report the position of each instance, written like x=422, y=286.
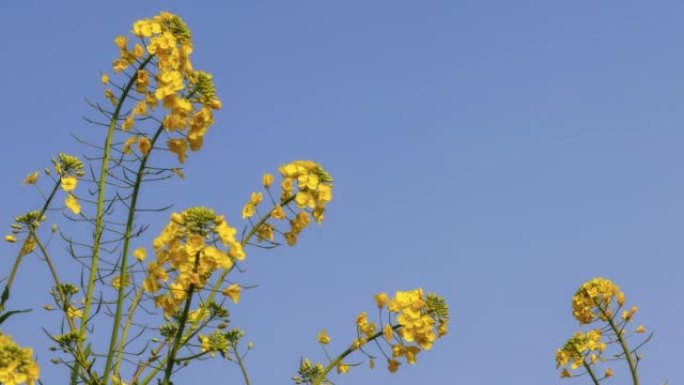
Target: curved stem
x=20, y=256
x=319, y=380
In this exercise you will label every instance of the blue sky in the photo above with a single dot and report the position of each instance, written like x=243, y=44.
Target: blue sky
x=499, y=153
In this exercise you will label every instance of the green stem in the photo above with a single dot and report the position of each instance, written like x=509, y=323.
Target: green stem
x=241, y=364
x=99, y=216
x=319, y=380
x=20, y=256
x=591, y=372
x=78, y=354
x=124, y=262
x=625, y=348
x=173, y=349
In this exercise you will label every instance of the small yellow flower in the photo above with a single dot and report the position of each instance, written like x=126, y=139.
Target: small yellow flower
x=323, y=337
x=140, y=254
x=10, y=238
x=68, y=183
x=342, y=368
x=609, y=373
x=121, y=41
x=387, y=332
x=381, y=299
x=31, y=178
x=233, y=292
x=72, y=203
x=268, y=180
x=641, y=329
x=104, y=78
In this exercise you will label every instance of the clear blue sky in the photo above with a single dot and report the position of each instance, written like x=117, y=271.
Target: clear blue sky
x=497, y=152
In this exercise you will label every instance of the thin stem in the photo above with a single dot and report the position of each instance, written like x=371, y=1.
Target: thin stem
x=99, y=216
x=319, y=380
x=20, y=256
x=625, y=348
x=173, y=349
x=124, y=260
x=591, y=372
x=78, y=355
x=241, y=364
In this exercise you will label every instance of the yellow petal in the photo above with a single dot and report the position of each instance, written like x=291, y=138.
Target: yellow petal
x=69, y=183
x=233, y=292
x=72, y=203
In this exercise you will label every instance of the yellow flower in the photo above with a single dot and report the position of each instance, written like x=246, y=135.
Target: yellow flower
x=609, y=373
x=73, y=312
x=72, y=203
x=31, y=178
x=116, y=282
x=323, y=337
x=641, y=329
x=140, y=254
x=387, y=332
x=178, y=147
x=233, y=292
x=381, y=299
x=267, y=180
x=10, y=238
x=278, y=212
x=144, y=145
x=342, y=368
x=69, y=183
x=104, y=78
x=121, y=41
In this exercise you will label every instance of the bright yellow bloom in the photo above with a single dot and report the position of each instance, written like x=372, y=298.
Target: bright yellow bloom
x=104, y=78
x=17, y=365
x=68, y=183
x=140, y=254
x=388, y=332
x=323, y=337
x=31, y=178
x=72, y=203
x=640, y=329
x=381, y=299
x=232, y=292
x=10, y=238
x=267, y=180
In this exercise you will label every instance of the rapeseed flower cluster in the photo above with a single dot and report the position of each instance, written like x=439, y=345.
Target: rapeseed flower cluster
x=599, y=300
x=69, y=168
x=193, y=245
x=594, y=298
x=303, y=182
x=583, y=348
x=416, y=320
x=17, y=365
x=188, y=96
